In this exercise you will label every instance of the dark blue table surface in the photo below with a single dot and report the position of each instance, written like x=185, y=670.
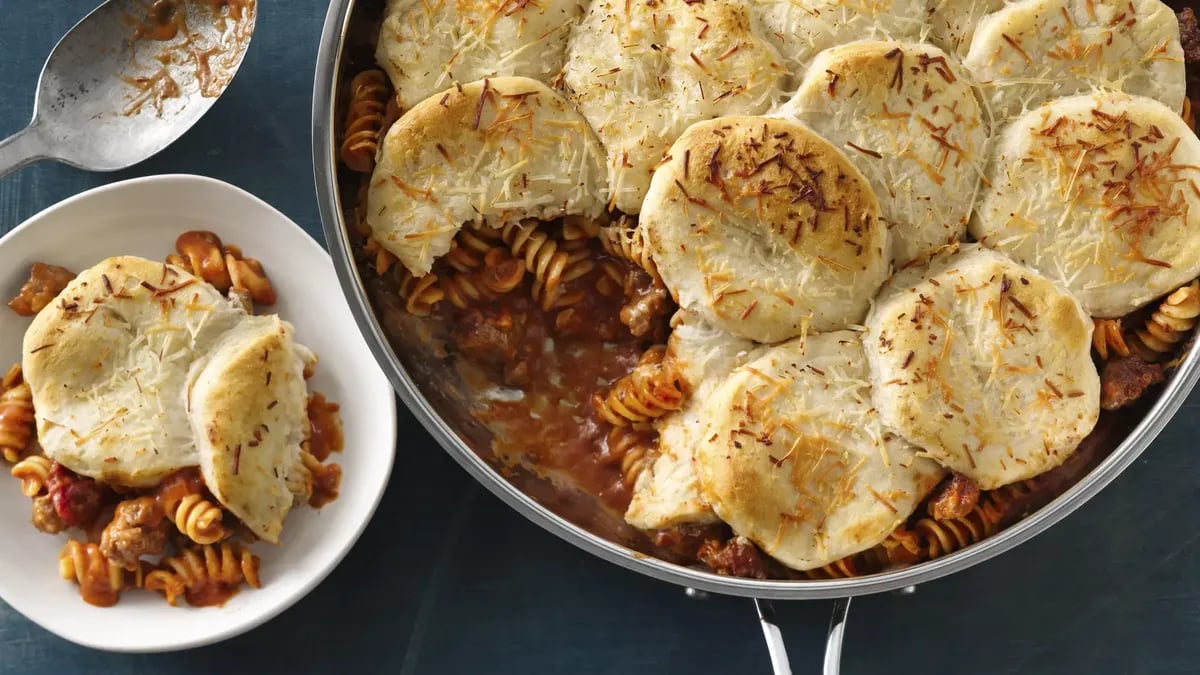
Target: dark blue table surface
x=447, y=580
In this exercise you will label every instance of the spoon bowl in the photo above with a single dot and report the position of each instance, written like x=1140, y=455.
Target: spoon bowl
x=129, y=79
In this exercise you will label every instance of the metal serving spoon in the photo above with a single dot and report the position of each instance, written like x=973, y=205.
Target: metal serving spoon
x=129, y=79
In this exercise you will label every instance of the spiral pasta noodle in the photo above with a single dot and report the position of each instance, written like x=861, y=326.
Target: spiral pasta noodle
x=100, y=580
x=1172, y=321
x=322, y=480
x=1108, y=338
x=928, y=538
x=197, y=518
x=12, y=377
x=579, y=228
x=501, y=272
x=860, y=564
x=420, y=294
x=628, y=243
x=201, y=253
x=462, y=290
x=224, y=267
x=467, y=251
x=34, y=474
x=551, y=268
x=383, y=258
x=652, y=390
x=369, y=94
x=168, y=583
x=247, y=275
x=16, y=421
x=551, y=294
x=610, y=281
x=635, y=450
x=208, y=574
x=931, y=538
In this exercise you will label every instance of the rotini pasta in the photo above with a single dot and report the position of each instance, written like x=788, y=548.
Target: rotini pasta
x=627, y=242
x=467, y=251
x=579, y=228
x=34, y=474
x=860, y=564
x=652, y=390
x=1108, y=338
x=201, y=254
x=369, y=94
x=636, y=451
x=501, y=272
x=210, y=575
x=551, y=268
x=324, y=479
x=610, y=281
x=168, y=583
x=464, y=289
x=12, y=377
x=931, y=538
x=420, y=294
x=100, y=580
x=247, y=275
x=1172, y=321
x=197, y=518
x=224, y=267
x=384, y=259
x=928, y=538
x=16, y=421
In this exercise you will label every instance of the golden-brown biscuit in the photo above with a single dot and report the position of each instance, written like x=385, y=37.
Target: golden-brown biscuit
x=765, y=229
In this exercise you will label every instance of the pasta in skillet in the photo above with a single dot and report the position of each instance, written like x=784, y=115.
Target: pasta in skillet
x=805, y=214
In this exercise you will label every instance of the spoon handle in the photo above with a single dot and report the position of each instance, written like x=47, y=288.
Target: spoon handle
x=20, y=149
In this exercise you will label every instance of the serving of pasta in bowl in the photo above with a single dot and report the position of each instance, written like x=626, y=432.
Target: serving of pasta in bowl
x=774, y=299
x=192, y=436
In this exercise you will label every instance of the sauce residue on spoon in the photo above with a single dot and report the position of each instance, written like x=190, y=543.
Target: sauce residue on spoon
x=201, y=42
x=163, y=21
x=154, y=88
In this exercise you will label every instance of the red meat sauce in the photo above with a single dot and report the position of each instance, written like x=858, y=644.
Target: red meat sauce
x=559, y=360
x=558, y=365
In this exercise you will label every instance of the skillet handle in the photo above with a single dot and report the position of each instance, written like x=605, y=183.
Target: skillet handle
x=778, y=650
x=833, y=642
x=774, y=637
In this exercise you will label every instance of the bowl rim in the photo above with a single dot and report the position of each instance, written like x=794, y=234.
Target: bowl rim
x=243, y=621
x=324, y=147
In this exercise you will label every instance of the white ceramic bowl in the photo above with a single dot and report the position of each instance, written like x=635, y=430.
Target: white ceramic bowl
x=143, y=217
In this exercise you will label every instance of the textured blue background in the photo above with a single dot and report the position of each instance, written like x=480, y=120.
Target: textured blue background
x=446, y=580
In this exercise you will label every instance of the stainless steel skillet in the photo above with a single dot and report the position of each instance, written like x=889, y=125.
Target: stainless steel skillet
x=430, y=389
